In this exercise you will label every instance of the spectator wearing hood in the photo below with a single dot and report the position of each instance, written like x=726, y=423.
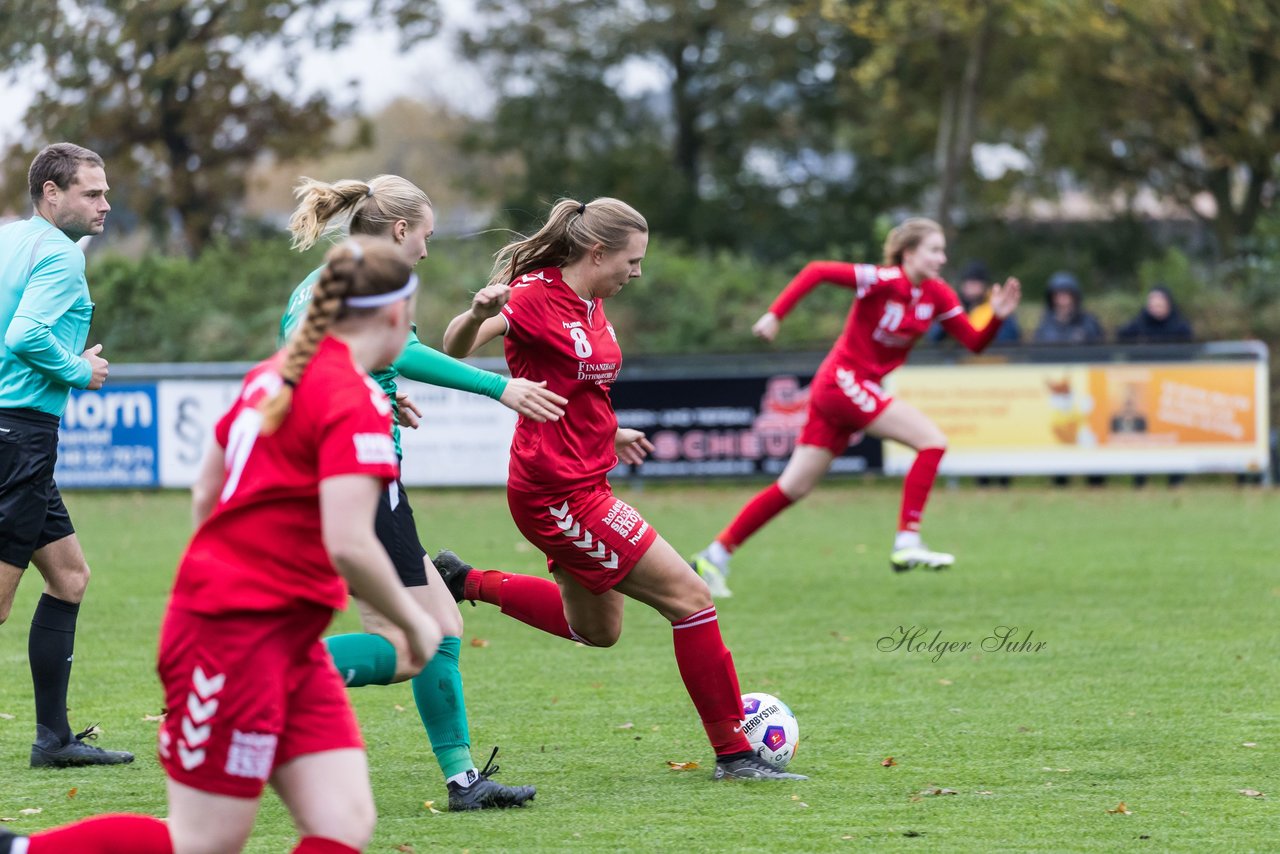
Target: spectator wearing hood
x=1065, y=320
x=1159, y=322
x=975, y=295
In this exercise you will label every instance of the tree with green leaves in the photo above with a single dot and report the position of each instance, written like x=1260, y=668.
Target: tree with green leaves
x=720, y=120
x=163, y=91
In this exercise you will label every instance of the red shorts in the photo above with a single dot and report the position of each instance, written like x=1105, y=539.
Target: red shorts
x=589, y=534
x=245, y=694
x=840, y=404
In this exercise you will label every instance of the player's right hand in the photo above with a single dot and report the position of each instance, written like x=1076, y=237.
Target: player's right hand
x=489, y=300
x=533, y=400
x=767, y=326
x=99, y=366
x=423, y=637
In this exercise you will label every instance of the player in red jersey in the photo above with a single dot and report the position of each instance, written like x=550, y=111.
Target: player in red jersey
x=895, y=305
x=598, y=548
x=285, y=504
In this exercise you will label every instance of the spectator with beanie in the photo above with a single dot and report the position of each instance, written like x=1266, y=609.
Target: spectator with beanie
x=1065, y=320
x=1159, y=322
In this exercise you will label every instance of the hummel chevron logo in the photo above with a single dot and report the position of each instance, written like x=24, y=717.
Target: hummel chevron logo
x=600, y=551
x=565, y=524
x=205, y=686
x=585, y=542
x=612, y=562
x=199, y=712
x=560, y=512
x=190, y=758
x=195, y=735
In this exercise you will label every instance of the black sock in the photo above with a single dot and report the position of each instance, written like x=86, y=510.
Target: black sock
x=49, y=648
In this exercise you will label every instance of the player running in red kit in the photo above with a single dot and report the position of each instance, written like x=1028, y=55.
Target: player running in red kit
x=285, y=504
x=598, y=548
x=895, y=305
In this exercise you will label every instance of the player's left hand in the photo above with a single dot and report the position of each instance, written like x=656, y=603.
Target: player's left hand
x=1005, y=298
x=632, y=446
x=407, y=412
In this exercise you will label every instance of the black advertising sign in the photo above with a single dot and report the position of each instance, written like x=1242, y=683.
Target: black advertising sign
x=725, y=426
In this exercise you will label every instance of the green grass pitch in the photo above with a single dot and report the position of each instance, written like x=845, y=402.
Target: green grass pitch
x=1157, y=684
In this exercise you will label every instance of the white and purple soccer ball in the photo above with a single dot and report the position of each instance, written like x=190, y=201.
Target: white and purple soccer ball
x=771, y=728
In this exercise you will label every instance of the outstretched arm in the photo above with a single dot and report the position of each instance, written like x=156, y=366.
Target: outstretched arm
x=1004, y=300
x=855, y=276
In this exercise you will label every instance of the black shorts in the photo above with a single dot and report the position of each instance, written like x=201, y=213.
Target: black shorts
x=32, y=514
x=399, y=536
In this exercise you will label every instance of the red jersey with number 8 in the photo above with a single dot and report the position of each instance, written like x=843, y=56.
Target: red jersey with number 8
x=555, y=335
x=888, y=317
x=261, y=548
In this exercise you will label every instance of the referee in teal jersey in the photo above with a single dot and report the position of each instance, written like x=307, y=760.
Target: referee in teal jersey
x=45, y=311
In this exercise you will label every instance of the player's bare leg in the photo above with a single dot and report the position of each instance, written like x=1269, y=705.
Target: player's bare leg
x=904, y=423
x=329, y=797
x=438, y=694
x=205, y=823
x=804, y=471
x=665, y=582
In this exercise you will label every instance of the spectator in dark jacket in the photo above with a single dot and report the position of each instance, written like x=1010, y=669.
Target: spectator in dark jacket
x=1159, y=322
x=1065, y=321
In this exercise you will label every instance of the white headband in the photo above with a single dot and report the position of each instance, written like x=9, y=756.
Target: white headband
x=378, y=300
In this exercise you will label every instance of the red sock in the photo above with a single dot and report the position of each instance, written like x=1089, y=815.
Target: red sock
x=754, y=515
x=529, y=599
x=707, y=670
x=105, y=834
x=320, y=845
x=916, y=486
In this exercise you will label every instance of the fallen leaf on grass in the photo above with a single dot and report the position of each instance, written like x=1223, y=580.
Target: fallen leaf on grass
x=1250, y=744
x=6, y=717
x=72, y=792
x=30, y=811
x=479, y=642
x=1121, y=809
x=627, y=725
x=934, y=792
x=846, y=837
x=151, y=719
x=839, y=636
x=682, y=766
x=984, y=792
x=7, y=818
x=430, y=806
x=405, y=849
x=888, y=762
x=399, y=708
x=654, y=728
x=1252, y=793
x=944, y=682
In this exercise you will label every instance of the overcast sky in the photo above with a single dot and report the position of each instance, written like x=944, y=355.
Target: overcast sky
x=380, y=73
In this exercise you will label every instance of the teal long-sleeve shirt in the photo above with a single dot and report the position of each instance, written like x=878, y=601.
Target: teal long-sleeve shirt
x=418, y=361
x=45, y=310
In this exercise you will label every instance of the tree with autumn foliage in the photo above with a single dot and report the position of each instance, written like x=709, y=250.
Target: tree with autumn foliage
x=162, y=90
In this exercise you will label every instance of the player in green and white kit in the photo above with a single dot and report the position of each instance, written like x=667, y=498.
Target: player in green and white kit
x=392, y=207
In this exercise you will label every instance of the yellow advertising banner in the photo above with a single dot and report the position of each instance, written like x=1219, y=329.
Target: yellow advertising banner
x=1101, y=417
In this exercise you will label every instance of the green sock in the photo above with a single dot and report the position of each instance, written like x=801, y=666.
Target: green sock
x=363, y=659
x=438, y=692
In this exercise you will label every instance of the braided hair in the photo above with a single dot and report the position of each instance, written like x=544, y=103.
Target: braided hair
x=356, y=267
